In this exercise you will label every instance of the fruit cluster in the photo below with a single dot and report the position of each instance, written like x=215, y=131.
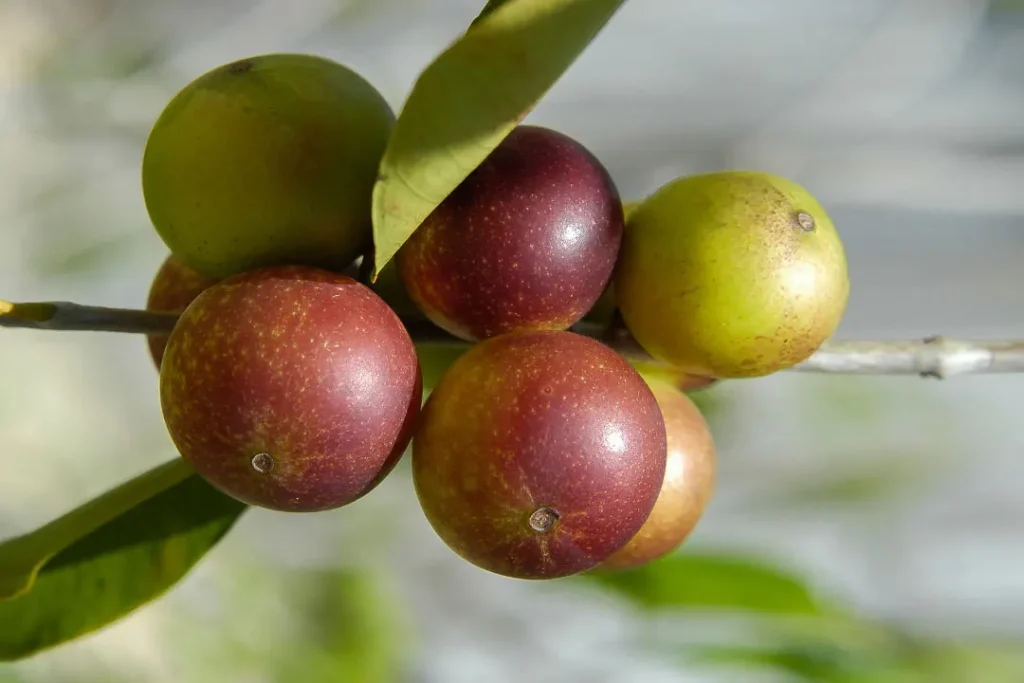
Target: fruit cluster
x=291, y=384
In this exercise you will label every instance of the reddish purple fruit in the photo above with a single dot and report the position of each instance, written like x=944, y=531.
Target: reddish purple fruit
x=539, y=454
x=290, y=388
x=527, y=242
x=174, y=287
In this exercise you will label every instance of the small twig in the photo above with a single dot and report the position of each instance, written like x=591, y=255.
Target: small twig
x=936, y=357
x=932, y=357
x=63, y=315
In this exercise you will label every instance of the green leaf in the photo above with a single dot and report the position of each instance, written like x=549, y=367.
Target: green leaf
x=488, y=8
x=22, y=557
x=469, y=99
x=108, y=557
x=711, y=581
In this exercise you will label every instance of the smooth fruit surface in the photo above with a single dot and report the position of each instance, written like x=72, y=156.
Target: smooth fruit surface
x=265, y=161
x=527, y=242
x=174, y=287
x=539, y=454
x=731, y=274
x=688, y=486
x=290, y=388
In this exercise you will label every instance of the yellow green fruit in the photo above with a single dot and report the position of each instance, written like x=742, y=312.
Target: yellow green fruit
x=731, y=274
x=265, y=161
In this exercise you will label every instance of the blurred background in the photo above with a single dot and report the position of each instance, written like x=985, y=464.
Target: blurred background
x=893, y=503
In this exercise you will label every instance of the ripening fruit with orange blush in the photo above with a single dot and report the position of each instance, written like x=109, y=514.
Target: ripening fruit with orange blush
x=174, y=287
x=687, y=488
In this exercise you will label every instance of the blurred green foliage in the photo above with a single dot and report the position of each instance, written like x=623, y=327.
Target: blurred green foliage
x=349, y=631
x=872, y=654
x=716, y=582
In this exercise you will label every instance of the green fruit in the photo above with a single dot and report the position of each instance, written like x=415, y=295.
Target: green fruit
x=266, y=161
x=731, y=274
x=539, y=454
x=689, y=483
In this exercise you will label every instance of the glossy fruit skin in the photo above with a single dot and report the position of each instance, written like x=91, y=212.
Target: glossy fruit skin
x=527, y=242
x=306, y=366
x=267, y=161
x=530, y=422
x=174, y=287
x=731, y=274
x=688, y=486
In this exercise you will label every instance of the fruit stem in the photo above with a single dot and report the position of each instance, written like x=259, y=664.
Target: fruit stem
x=936, y=357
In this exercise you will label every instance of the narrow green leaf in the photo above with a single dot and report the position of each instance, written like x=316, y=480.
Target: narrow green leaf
x=108, y=557
x=711, y=581
x=22, y=557
x=469, y=99
x=488, y=8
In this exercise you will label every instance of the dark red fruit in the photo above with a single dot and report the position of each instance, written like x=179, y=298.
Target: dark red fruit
x=539, y=454
x=174, y=287
x=527, y=242
x=290, y=388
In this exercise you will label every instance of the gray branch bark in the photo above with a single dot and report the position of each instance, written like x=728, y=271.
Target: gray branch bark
x=936, y=357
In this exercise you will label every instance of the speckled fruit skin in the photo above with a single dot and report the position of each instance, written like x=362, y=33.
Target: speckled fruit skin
x=533, y=421
x=718, y=277
x=266, y=161
x=304, y=365
x=527, y=242
x=174, y=287
x=687, y=488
